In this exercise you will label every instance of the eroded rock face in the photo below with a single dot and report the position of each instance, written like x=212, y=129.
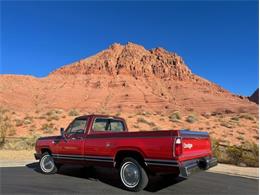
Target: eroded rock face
x=255, y=96
x=132, y=59
x=126, y=78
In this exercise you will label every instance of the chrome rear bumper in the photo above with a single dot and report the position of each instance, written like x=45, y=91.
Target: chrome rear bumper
x=192, y=166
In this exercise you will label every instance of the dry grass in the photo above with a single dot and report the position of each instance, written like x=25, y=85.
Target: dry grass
x=73, y=112
x=246, y=154
x=16, y=155
x=6, y=126
x=23, y=143
x=143, y=120
x=247, y=116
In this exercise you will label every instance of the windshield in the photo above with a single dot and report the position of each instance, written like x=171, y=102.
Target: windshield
x=77, y=126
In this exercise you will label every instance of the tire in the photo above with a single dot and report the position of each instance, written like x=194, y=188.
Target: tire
x=132, y=175
x=47, y=165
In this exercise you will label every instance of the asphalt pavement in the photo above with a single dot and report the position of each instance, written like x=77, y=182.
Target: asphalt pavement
x=76, y=180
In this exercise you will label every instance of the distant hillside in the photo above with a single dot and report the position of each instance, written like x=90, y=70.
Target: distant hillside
x=153, y=89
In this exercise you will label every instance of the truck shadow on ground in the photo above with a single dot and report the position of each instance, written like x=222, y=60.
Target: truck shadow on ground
x=110, y=176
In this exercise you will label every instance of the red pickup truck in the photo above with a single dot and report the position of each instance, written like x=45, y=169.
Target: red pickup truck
x=99, y=140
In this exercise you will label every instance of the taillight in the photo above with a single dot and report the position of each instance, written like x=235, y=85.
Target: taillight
x=178, y=147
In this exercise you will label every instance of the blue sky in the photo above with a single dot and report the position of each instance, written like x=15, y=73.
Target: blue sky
x=218, y=40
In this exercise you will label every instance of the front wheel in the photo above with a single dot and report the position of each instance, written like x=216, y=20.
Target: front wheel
x=47, y=164
x=132, y=175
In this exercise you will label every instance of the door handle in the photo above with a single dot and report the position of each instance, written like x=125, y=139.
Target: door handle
x=74, y=138
x=108, y=144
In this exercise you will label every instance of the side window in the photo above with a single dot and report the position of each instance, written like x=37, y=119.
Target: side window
x=100, y=124
x=108, y=124
x=116, y=125
x=77, y=126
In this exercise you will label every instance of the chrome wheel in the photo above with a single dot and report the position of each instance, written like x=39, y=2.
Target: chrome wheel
x=130, y=174
x=47, y=164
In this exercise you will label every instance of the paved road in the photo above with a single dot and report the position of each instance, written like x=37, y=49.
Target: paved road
x=75, y=180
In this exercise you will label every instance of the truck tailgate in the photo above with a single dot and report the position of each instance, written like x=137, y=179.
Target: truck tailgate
x=194, y=145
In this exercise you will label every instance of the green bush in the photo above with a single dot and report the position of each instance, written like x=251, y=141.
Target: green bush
x=247, y=153
x=191, y=119
x=175, y=117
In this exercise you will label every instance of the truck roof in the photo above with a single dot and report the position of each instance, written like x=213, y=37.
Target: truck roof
x=99, y=115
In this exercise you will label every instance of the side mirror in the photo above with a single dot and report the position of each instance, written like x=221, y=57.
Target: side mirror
x=62, y=131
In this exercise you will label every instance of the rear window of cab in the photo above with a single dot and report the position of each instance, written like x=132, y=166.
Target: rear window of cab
x=108, y=125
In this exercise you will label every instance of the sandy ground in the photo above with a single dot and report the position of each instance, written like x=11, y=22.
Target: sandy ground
x=12, y=158
x=248, y=172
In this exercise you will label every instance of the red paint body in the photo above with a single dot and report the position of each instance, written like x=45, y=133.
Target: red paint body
x=156, y=148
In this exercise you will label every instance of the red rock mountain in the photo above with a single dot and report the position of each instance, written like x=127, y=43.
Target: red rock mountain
x=122, y=78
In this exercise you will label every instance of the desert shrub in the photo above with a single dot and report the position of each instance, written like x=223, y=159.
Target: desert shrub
x=247, y=116
x=48, y=128
x=27, y=120
x=191, y=119
x=246, y=154
x=73, y=112
x=156, y=128
x=235, y=154
x=206, y=115
x=136, y=126
x=118, y=114
x=18, y=122
x=175, y=117
x=146, y=113
x=235, y=118
x=5, y=126
x=143, y=120
x=53, y=115
x=42, y=117
x=24, y=143
x=11, y=131
x=226, y=124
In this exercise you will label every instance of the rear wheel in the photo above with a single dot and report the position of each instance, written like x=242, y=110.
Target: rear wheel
x=47, y=164
x=132, y=175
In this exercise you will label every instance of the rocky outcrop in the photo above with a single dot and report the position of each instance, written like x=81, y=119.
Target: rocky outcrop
x=131, y=59
x=255, y=96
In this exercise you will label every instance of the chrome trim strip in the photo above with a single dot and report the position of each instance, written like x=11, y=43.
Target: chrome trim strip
x=82, y=157
x=101, y=160
x=160, y=160
x=162, y=164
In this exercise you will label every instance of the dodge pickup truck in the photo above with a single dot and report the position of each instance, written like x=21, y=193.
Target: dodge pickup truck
x=99, y=140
